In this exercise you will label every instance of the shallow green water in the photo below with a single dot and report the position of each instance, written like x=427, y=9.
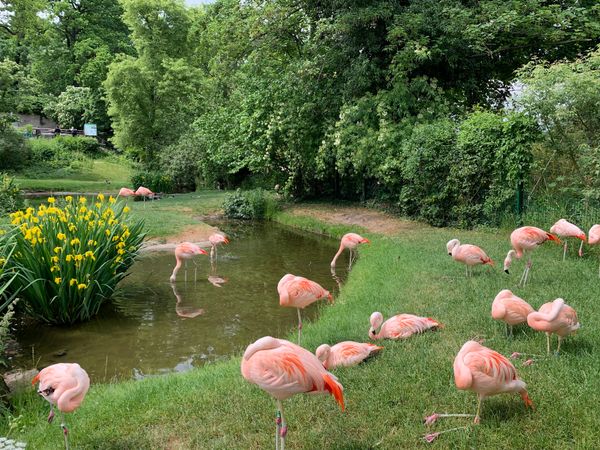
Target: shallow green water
x=154, y=327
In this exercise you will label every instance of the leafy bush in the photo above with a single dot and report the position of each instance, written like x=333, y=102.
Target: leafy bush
x=428, y=157
x=14, y=153
x=155, y=181
x=254, y=204
x=10, y=196
x=70, y=256
x=6, y=278
x=60, y=151
x=180, y=163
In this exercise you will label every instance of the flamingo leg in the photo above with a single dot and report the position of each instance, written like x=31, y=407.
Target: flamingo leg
x=467, y=271
x=477, y=419
x=185, y=272
x=548, y=343
x=283, y=431
x=511, y=330
x=558, y=349
x=277, y=427
x=527, y=269
x=581, y=249
x=350, y=260
x=299, y=325
x=195, y=271
x=212, y=254
x=65, y=431
x=565, y=250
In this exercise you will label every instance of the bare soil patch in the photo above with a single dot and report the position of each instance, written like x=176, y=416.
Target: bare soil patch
x=370, y=219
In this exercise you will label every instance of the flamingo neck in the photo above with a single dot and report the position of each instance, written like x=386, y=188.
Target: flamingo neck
x=337, y=255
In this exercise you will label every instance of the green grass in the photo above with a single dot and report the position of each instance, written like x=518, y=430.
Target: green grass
x=91, y=175
x=173, y=214
x=388, y=396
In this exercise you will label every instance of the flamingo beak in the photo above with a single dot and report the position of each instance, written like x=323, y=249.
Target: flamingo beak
x=203, y=252
x=506, y=271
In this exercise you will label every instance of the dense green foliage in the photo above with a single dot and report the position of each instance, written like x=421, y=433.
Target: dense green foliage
x=69, y=256
x=327, y=98
x=252, y=204
x=155, y=181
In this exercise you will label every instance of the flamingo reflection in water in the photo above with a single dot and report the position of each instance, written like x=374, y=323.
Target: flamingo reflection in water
x=182, y=310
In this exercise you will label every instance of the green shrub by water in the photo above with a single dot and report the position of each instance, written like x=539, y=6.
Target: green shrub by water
x=70, y=255
x=10, y=196
x=253, y=204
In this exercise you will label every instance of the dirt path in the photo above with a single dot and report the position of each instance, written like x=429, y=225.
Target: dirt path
x=370, y=219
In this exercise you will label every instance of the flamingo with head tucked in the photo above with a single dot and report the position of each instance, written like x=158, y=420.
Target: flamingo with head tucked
x=144, y=192
x=526, y=239
x=486, y=372
x=345, y=354
x=468, y=254
x=554, y=318
x=126, y=192
x=299, y=292
x=349, y=241
x=183, y=252
x=566, y=229
x=401, y=326
x=64, y=385
x=283, y=369
x=510, y=309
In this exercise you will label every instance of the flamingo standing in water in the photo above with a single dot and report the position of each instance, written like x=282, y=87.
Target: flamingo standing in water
x=401, y=326
x=216, y=239
x=183, y=252
x=594, y=238
x=64, y=385
x=526, y=239
x=283, y=369
x=486, y=372
x=554, y=318
x=349, y=241
x=345, y=354
x=468, y=254
x=565, y=229
x=299, y=292
x=510, y=309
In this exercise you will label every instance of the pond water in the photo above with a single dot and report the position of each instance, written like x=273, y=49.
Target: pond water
x=154, y=327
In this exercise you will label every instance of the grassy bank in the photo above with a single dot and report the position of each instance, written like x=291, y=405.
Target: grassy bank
x=387, y=397
x=91, y=175
x=174, y=214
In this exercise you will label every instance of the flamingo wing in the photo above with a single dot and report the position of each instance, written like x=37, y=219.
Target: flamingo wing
x=303, y=292
x=490, y=367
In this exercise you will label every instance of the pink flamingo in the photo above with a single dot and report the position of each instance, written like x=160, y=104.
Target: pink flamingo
x=349, y=241
x=468, y=254
x=401, y=326
x=299, y=292
x=510, y=309
x=345, y=354
x=486, y=372
x=65, y=386
x=126, y=192
x=594, y=238
x=526, y=239
x=216, y=239
x=144, y=192
x=185, y=251
x=566, y=229
x=283, y=369
x=554, y=318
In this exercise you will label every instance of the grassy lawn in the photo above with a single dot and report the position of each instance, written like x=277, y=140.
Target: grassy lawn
x=173, y=214
x=92, y=175
x=387, y=397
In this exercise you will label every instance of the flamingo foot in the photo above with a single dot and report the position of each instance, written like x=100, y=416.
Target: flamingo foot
x=284, y=430
x=477, y=420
